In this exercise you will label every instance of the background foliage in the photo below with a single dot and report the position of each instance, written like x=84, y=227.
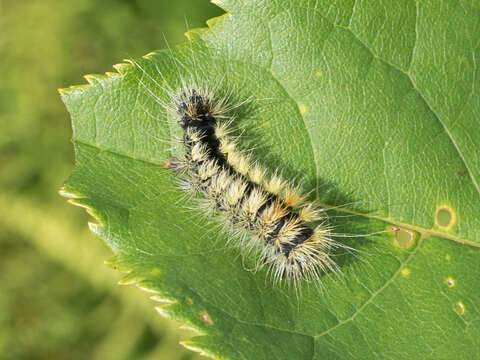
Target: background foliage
x=57, y=299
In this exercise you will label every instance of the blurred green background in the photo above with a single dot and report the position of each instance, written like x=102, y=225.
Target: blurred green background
x=57, y=298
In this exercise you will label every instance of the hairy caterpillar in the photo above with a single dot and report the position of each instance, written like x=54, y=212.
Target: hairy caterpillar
x=267, y=215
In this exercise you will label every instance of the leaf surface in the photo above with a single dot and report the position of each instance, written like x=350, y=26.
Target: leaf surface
x=373, y=107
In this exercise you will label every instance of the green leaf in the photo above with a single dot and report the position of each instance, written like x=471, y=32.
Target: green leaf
x=372, y=105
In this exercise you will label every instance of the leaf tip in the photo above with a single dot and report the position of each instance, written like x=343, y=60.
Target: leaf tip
x=95, y=228
x=215, y=20
x=66, y=194
x=122, y=68
x=72, y=89
x=162, y=299
x=190, y=327
x=147, y=289
x=116, y=263
x=194, y=347
x=196, y=33
x=83, y=203
x=129, y=279
x=150, y=55
x=163, y=312
x=94, y=79
x=219, y=3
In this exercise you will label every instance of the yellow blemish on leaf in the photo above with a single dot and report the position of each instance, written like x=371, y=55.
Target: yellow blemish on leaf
x=448, y=257
x=450, y=282
x=360, y=296
x=406, y=272
x=206, y=318
x=188, y=301
x=155, y=272
x=459, y=308
x=303, y=109
x=445, y=217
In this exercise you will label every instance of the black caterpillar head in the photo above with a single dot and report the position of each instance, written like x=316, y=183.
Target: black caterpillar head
x=194, y=110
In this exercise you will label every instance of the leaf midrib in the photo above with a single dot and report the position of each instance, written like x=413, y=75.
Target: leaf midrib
x=424, y=231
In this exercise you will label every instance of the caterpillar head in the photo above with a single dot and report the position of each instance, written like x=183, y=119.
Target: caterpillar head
x=195, y=109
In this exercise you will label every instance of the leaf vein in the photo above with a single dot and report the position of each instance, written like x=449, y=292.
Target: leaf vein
x=375, y=294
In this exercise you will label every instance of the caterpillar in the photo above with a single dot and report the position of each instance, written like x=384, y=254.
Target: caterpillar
x=266, y=214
